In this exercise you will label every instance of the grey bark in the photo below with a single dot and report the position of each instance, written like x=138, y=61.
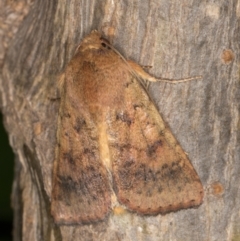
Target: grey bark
x=179, y=39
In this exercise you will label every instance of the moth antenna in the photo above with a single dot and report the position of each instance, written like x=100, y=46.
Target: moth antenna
x=131, y=69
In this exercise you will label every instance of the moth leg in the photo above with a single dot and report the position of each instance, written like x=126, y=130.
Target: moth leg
x=147, y=77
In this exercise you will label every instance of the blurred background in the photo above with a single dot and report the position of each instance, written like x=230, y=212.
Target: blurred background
x=6, y=179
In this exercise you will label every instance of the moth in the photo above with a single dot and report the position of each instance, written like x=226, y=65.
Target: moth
x=113, y=147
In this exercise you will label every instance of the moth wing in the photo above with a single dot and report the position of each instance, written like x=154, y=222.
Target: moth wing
x=151, y=172
x=81, y=191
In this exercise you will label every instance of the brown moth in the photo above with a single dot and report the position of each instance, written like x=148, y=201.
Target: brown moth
x=113, y=146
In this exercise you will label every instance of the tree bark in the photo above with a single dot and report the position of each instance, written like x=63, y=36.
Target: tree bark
x=179, y=39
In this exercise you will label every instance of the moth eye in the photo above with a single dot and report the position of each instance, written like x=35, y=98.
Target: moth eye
x=104, y=40
x=104, y=45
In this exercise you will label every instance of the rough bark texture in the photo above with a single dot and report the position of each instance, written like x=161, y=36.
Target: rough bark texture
x=179, y=39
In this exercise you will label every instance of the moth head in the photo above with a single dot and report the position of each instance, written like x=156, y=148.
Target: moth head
x=94, y=41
